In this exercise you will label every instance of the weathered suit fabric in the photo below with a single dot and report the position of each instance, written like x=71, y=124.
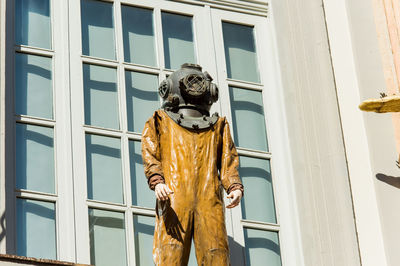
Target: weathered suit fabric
x=190, y=161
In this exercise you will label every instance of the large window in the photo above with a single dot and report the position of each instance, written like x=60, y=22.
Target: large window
x=34, y=187
x=81, y=98
x=243, y=78
x=123, y=51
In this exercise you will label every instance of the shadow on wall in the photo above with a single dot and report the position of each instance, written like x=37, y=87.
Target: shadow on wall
x=2, y=227
x=391, y=180
x=237, y=254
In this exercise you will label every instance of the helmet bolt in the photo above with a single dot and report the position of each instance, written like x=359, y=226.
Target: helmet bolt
x=195, y=126
x=175, y=100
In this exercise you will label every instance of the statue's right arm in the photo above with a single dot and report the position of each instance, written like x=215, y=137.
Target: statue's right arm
x=151, y=153
x=152, y=160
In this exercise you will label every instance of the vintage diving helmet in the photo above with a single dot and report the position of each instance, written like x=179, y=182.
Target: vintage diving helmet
x=187, y=95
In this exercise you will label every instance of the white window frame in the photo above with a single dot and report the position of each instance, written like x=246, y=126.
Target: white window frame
x=278, y=153
x=201, y=49
x=61, y=129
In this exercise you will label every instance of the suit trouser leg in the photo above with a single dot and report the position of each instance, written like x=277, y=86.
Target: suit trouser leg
x=172, y=238
x=210, y=237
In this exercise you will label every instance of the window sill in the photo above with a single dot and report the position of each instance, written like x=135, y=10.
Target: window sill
x=19, y=260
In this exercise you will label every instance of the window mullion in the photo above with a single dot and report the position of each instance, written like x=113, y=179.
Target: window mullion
x=82, y=241
x=130, y=239
x=8, y=208
x=207, y=47
x=159, y=38
x=122, y=102
x=220, y=58
x=65, y=206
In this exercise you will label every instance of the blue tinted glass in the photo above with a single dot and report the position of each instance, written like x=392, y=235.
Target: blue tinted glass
x=35, y=158
x=256, y=177
x=33, y=86
x=262, y=248
x=33, y=23
x=192, y=256
x=101, y=96
x=107, y=238
x=141, y=194
x=104, y=169
x=97, y=29
x=248, y=119
x=138, y=34
x=144, y=231
x=240, y=52
x=178, y=40
x=36, y=229
x=141, y=98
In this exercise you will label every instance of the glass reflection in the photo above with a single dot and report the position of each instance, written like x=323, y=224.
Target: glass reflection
x=141, y=98
x=144, y=231
x=107, y=238
x=32, y=23
x=248, y=119
x=262, y=246
x=178, y=40
x=256, y=177
x=192, y=256
x=33, y=86
x=240, y=52
x=104, y=169
x=141, y=194
x=138, y=34
x=97, y=29
x=35, y=158
x=36, y=224
x=101, y=96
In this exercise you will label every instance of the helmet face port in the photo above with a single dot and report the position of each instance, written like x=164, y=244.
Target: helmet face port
x=193, y=85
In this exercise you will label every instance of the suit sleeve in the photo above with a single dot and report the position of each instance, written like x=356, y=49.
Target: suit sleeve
x=151, y=153
x=229, y=162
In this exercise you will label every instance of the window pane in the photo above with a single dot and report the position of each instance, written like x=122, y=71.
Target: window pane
x=32, y=23
x=240, y=52
x=101, y=96
x=138, y=33
x=36, y=229
x=33, y=86
x=97, y=29
x=178, y=40
x=192, y=256
x=248, y=119
x=141, y=194
x=107, y=238
x=144, y=231
x=34, y=158
x=258, y=204
x=103, y=163
x=141, y=98
x=261, y=247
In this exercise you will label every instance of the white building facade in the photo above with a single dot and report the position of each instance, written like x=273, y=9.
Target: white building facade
x=79, y=78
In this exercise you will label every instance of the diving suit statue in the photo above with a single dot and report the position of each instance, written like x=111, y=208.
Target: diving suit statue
x=187, y=156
